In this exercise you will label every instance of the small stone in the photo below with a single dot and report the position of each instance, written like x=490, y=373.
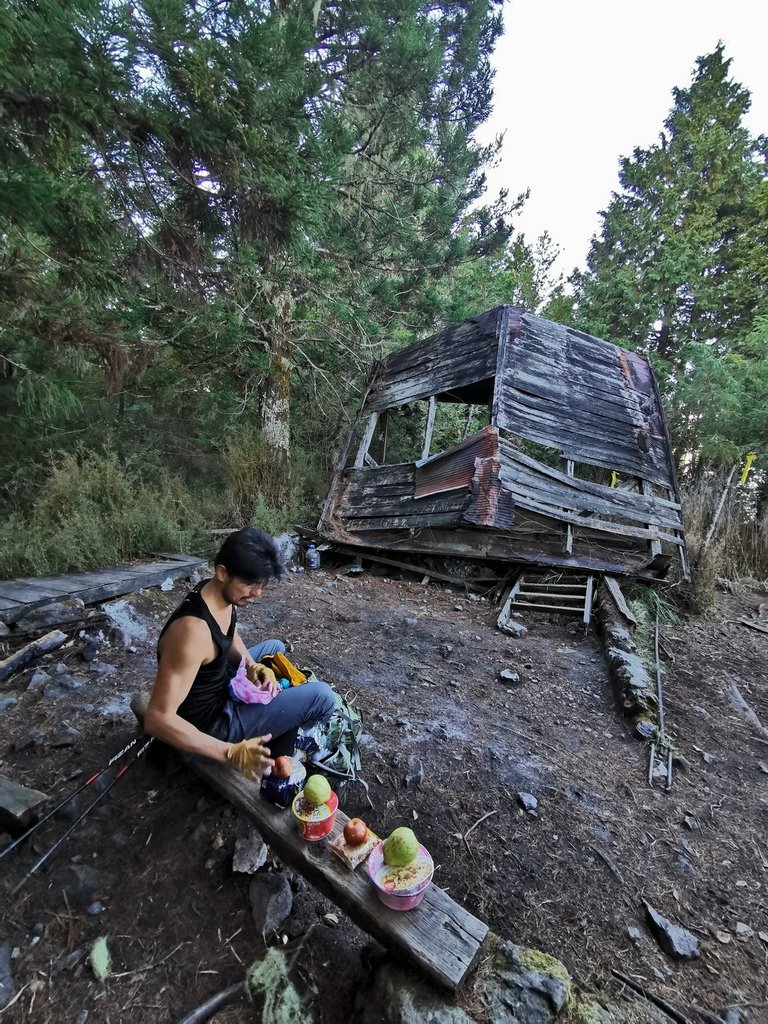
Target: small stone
x=58, y=669
x=458, y=607
x=39, y=678
x=383, y=717
x=95, y=908
x=271, y=902
x=66, y=610
x=31, y=738
x=635, y=935
x=331, y=919
x=7, y=700
x=529, y=803
x=75, y=885
x=7, y=987
x=724, y=937
x=415, y=773
x=410, y=621
x=88, y=709
x=683, y=866
x=91, y=646
x=403, y=723
x=70, y=682
x=763, y=936
x=65, y=736
x=675, y=941
x=250, y=853
x=688, y=848
x=508, y=676
x=708, y=758
x=513, y=628
x=743, y=932
x=658, y=974
x=681, y=763
x=103, y=668
x=691, y=822
x=167, y=585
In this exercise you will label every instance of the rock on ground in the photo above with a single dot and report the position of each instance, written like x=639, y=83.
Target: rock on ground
x=250, y=852
x=6, y=977
x=271, y=901
x=675, y=941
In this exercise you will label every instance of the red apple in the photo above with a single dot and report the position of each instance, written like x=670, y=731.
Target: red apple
x=283, y=767
x=355, y=832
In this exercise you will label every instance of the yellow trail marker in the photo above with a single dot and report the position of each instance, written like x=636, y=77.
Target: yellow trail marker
x=747, y=467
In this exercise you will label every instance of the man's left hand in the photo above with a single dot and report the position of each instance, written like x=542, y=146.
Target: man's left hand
x=263, y=677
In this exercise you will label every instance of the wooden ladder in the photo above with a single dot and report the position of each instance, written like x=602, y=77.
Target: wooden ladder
x=550, y=591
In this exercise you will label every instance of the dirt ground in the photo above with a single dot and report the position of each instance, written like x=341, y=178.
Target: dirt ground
x=422, y=664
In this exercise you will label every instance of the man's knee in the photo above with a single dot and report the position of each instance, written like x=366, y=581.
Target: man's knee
x=324, y=701
x=265, y=648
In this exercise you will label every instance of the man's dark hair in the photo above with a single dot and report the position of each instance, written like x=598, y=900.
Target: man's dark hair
x=251, y=555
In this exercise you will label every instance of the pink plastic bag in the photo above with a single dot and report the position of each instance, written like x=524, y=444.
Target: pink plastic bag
x=241, y=688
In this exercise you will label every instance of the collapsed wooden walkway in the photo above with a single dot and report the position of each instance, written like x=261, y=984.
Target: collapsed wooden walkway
x=20, y=596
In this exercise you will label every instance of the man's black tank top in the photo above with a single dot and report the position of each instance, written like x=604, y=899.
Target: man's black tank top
x=209, y=691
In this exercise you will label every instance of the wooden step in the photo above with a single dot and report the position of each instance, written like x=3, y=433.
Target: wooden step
x=560, y=597
x=552, y=607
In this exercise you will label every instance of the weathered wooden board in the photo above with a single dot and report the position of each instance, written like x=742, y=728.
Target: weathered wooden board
x=50, y=642
x=18, y=804
x=439, y=937
x=615, y=591
x=17, y=597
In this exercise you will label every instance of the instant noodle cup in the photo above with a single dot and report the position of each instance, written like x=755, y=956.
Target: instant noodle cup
x=401, y=888
x=315, y=821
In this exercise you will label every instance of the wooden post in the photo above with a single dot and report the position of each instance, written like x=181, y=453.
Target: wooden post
x=568, y=469
x=429, y=427
x=647, y=488
x=366, y=441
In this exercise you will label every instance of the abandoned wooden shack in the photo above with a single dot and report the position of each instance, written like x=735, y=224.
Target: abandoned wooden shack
x=565, y=460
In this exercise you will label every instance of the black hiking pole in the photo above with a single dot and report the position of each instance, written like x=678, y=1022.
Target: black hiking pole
x=77, y=821
x=67, y=799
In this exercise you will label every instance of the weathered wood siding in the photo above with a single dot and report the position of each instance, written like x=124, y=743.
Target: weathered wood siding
x=591, y=400
x=451, y=359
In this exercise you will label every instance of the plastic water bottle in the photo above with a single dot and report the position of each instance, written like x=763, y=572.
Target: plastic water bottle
x=313, y=557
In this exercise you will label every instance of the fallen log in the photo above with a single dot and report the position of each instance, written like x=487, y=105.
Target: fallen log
x=50, y=642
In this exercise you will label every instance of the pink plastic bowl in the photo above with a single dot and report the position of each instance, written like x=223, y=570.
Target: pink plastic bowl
x=399, y=899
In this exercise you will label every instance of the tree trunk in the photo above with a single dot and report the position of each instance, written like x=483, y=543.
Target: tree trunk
x=276, y=400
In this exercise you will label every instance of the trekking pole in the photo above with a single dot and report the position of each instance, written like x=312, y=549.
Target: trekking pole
x=77, y=821
x=67, y=799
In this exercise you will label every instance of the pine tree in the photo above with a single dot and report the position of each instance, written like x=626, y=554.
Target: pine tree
x=680, y=267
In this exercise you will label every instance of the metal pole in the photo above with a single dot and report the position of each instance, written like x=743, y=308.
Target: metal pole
x=66, y=800
x=77, y=821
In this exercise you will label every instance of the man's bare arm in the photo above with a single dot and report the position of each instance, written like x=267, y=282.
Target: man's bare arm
x=186, y=645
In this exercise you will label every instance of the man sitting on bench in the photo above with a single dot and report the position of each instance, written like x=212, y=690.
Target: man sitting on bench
x=198, y=652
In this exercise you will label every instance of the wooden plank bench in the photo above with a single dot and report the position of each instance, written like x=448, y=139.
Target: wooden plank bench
x=439, y=937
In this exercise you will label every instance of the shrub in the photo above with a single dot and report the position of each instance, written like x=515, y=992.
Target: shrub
x=94, y=510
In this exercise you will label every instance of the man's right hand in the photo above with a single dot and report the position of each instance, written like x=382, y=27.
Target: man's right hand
x=250, y=757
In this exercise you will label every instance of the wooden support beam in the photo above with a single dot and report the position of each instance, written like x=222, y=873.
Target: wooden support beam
x=615, y=591
x=365, y=443
x=432, y=409
x=439, y=937
x=370, y=461
x=568, y=469
x=646, y=487
x=588, y=599
x=512, y=593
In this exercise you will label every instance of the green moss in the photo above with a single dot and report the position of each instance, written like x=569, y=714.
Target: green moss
x=543, y=963
x=591, y=1013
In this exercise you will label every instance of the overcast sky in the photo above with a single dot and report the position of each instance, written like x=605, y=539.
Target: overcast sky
x=580, y=83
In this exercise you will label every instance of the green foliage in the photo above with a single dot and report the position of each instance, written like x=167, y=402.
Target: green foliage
x=100, y=960
x=680, y=269
x=92, y=510
x=269, y=982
